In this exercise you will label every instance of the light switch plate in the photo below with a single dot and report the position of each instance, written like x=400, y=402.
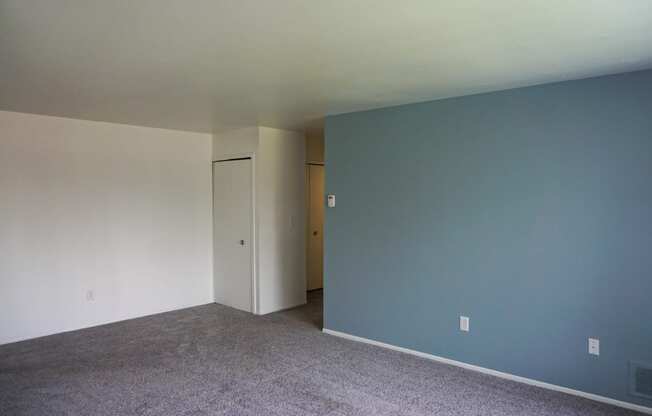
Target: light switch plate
x=594, y=346
x=464, y=323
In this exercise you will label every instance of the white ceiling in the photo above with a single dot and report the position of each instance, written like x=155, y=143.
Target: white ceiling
x=215, y=64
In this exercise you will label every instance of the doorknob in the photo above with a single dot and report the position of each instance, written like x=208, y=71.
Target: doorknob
x=314, y=233
x=242, y=242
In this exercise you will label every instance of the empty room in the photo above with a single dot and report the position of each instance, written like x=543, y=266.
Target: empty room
x=296, y=207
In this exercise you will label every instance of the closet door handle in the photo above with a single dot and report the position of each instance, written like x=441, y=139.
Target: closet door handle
x=242, y=242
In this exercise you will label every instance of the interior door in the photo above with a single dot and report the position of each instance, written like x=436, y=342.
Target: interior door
x=232, y=233
x=315, y=256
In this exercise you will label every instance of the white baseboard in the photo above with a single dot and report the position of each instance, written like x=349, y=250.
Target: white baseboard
x=282, y=308
x=590, y=396
x=129, y=317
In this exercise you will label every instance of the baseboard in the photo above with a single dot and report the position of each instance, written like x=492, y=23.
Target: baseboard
x=282, y=309
x=507, y=376
x=102, y=323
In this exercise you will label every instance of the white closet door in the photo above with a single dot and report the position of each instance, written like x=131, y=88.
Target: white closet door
x=232, y=233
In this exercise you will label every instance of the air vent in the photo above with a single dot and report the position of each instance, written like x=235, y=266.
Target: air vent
x=641, y=379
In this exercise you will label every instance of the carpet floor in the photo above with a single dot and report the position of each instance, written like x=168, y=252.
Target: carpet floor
x=214, y=360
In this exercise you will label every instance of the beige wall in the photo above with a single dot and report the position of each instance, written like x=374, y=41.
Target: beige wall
x=315, y=146
x=121, y=210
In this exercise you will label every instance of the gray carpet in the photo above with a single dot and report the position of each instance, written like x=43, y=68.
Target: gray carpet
x=213, y=360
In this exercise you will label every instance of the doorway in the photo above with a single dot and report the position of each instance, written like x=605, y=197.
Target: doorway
x=233, y=233
x=315, y=238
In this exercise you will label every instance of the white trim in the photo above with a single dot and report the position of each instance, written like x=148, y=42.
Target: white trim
x=262, y=313
x=590, y=396
x=255, y=307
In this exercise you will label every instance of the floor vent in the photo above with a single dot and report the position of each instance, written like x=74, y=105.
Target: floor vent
x=641, y=379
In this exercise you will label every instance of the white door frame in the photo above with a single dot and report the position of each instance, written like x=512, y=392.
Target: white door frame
x=254, y=222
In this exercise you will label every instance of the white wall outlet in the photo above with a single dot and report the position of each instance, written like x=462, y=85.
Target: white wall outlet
x=90, y=296
x=464, y=323
x=594, y=346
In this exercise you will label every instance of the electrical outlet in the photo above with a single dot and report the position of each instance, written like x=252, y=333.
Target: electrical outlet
x=90, y=296
x=464, y=323
x=594, y=346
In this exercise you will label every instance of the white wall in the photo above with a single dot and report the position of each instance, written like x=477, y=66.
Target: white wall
x=235, y=143
x=121, y=210
x=280, y=206
x=281, y=212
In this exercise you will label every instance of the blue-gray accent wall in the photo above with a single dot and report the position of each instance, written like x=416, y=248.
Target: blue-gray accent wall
x=528, y=210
